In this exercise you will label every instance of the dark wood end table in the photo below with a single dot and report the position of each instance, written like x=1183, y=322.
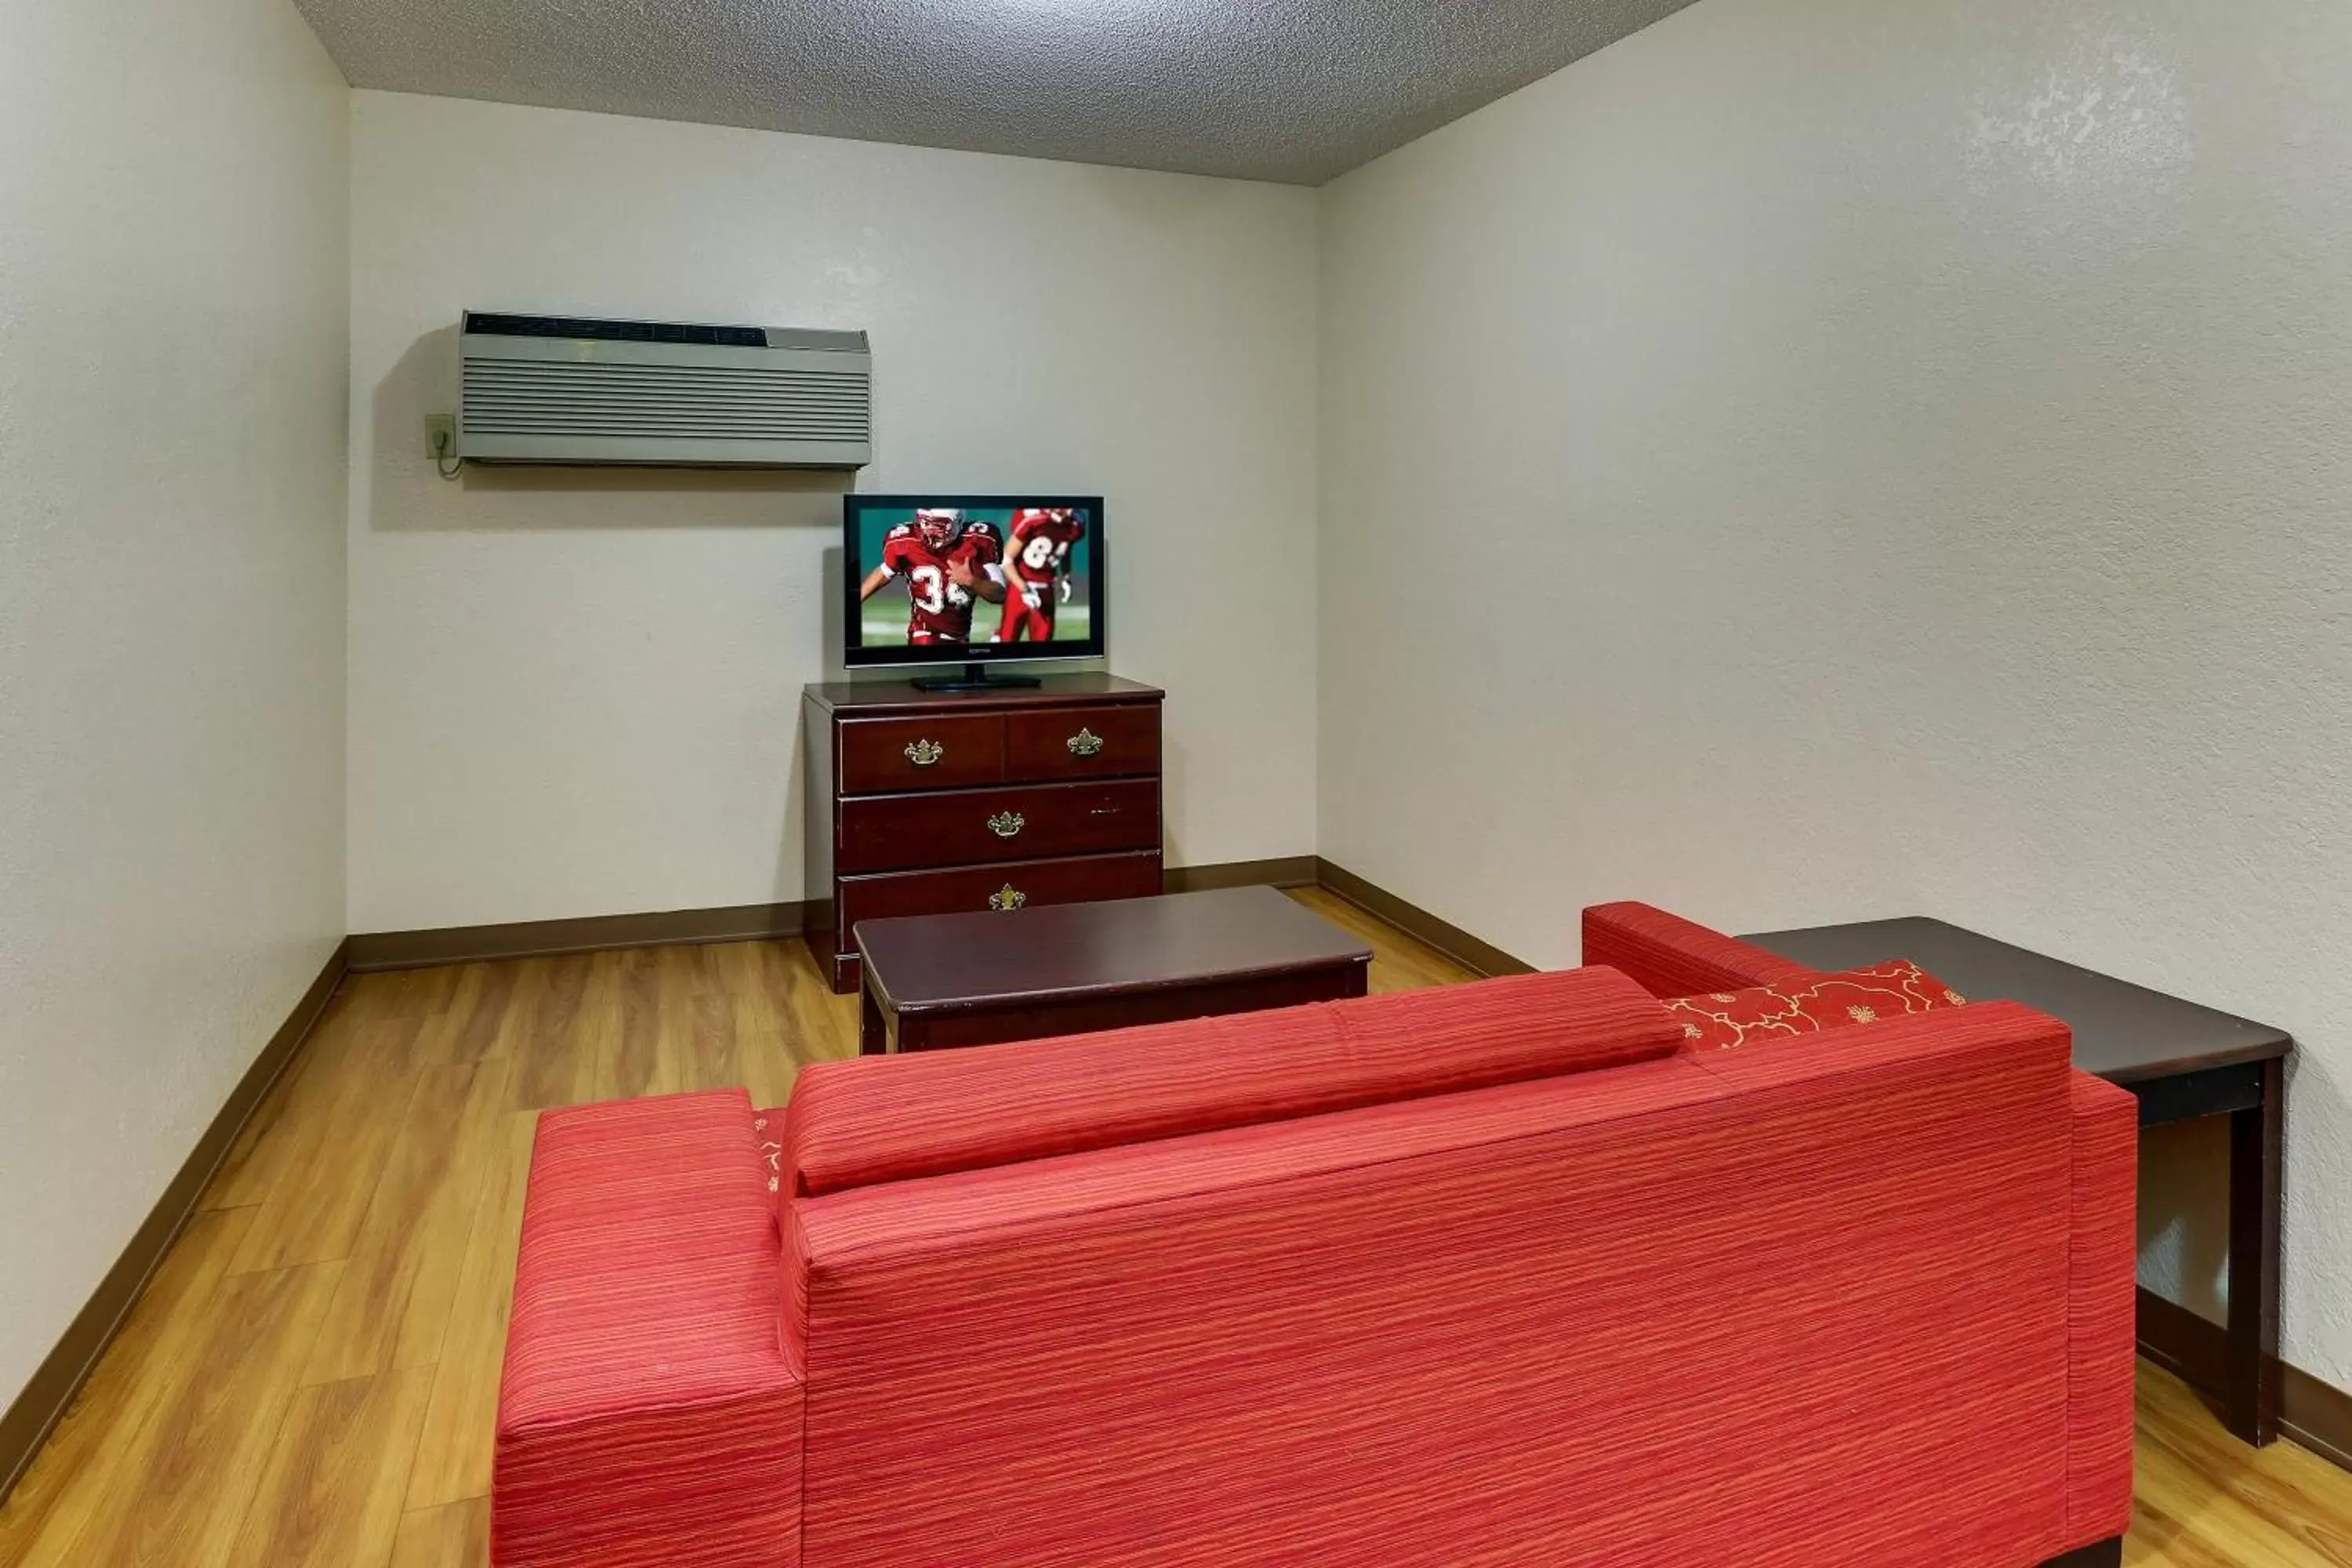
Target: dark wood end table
x=2181, y=1060
x=939, y=980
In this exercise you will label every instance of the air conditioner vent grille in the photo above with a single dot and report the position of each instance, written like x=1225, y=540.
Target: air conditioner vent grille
x=653, y=399
x=482, y=323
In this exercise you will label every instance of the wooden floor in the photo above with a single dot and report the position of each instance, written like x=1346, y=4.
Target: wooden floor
x=311, y=1378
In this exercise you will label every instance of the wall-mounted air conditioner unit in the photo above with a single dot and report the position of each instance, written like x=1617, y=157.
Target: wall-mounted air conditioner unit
x=560, y=389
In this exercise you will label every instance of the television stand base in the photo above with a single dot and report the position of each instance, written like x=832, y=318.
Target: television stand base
x=975, y=678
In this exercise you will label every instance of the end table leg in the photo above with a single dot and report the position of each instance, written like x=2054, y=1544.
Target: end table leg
x=2256, y=1145
x=873, y=1040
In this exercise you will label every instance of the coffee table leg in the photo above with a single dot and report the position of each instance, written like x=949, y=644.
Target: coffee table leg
x=2256, y=1145
x=873, y=1038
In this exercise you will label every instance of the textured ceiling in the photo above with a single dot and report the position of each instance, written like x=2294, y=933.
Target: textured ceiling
x=1296, y=90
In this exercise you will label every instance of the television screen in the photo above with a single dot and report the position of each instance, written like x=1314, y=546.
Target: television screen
x=967, y=580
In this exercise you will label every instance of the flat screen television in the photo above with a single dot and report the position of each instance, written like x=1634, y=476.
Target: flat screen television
x=972, y=581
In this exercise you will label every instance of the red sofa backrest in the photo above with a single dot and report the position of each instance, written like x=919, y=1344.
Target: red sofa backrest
x=883, y=1119
x=1790, y=1306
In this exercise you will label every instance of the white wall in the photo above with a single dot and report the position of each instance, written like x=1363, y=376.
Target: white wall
x=1819, y=459
x=576, y=694
x=172, y=329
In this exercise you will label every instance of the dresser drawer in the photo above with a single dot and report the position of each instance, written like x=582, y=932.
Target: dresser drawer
x=1015, y=883
x=947, y=752
x=1083, y=742
x=898, y=832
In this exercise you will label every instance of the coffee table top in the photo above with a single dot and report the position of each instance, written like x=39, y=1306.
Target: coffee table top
x=2123, y=1033
x=924, y=962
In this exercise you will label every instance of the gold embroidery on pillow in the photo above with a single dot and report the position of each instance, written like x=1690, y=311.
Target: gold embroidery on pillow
x=1895, y=987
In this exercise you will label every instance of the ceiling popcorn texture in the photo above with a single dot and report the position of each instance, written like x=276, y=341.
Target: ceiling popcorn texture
x=1293, y=91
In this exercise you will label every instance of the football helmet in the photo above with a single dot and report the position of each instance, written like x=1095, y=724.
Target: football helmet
x=939, y=525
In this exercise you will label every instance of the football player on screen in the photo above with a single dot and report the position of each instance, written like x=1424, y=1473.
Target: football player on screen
x=947, y=562
x=1037, y=571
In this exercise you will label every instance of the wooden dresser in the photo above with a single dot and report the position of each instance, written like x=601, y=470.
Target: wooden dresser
x=925, y=803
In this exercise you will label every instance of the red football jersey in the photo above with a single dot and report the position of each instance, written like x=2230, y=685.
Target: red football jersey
x=940, y=611
x=1040, y=549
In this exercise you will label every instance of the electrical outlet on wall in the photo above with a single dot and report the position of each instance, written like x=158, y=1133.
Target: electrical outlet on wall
x=441, y=436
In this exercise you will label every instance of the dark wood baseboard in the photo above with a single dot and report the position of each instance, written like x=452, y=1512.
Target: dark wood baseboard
x=2317, y=1414
x=1293, y=871
x=28, y=1421
x=2181, y=1342
x=374, y=952
x=1452, y=940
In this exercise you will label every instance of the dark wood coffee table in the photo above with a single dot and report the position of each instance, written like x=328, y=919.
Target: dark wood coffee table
x=936, y=981
x=2181, y=1060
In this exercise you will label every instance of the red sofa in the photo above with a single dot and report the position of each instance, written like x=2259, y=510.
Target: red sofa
x=1498, y=1274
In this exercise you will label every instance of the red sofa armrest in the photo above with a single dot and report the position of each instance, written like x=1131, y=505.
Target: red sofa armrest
x=1668, y=955
x=647, y=1414
x=2101, y=1307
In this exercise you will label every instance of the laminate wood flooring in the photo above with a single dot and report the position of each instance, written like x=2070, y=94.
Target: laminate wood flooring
x=312, y=1374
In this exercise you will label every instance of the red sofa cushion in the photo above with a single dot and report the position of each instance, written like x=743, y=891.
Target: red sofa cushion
x=884, y=1119
x=1724, y=1019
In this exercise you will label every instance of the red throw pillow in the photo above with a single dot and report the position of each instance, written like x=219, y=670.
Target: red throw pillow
x=1723, y=1019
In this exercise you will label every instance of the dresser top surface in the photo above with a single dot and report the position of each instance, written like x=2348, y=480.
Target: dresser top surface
x=874, y=698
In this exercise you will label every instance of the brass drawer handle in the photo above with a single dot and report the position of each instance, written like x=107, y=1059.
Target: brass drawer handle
x=1085, y=743
x=923, y=753
x=1008, y=897
x=1007, y=823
